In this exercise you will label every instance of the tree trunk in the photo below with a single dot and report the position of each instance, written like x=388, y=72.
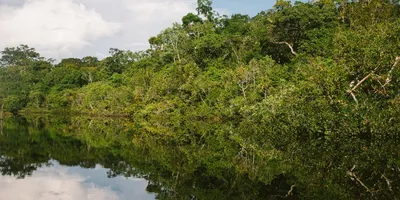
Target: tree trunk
x=91, y=107
x=243, y=86
x=90, y=77
x=244, y=93
x=1, y=118
x=1, y=127
x=1, y=111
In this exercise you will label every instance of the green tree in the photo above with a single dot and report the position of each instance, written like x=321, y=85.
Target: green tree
x=190, y=19
x=18, y=56
x=204, y=7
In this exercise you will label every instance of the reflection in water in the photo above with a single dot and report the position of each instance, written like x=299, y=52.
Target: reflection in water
x=71, y=183
x=82, y=158
x=60, y=182
x=52, y=183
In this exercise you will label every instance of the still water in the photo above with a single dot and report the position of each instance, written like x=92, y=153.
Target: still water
x=31, y=170
x=56, y=181
x=64, y=157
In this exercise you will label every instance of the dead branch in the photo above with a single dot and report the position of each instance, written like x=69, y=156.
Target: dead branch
x=380, y=83
x=243, y=85
x=290, y=46
x=352, y=90
x=362, y=80
x=1, y=127
x=2, y=111
x=290, y=192
x=388, y=182
x=389, y=78
x=353, y=95
x=353, y=176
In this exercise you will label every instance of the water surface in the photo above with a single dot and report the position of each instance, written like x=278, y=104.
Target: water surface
x=72, y=157
x=55, y=181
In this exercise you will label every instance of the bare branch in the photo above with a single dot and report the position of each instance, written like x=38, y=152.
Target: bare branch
x=91, y=107
x=388, y=182
x=291, y=190
x=2, y=111
x=352, y=90
x=290, y=46
x=360, y=82
x=380, y=83
x=353, y=95
x=1, y=127
x=354, y=177
x=388, y=79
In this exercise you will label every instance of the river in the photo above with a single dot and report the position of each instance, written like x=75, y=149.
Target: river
x=64, y=157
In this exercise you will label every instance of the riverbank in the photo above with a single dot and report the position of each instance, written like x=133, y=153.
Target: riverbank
x=60, y=112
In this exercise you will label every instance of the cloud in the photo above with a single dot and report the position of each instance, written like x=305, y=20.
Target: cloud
x=50, y=184
x=140, y=20
x=149, y=17
x=77, y=28
x=55, y=28
x=160, y=11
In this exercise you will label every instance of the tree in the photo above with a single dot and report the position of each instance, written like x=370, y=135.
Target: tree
x=204, y=8
x=190, y=19
x=171, y=39
x=369, y=48
x=18, y=56
x=302, y=28
x=70, y=63
x=90, y=65
x=155, y=43
x=282, y=4
x=117, y=62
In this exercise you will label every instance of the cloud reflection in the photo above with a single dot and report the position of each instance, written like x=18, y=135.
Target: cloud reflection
x=52, y=184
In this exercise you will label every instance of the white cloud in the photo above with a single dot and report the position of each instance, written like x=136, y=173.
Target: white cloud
x=50, y=184
x=65, y=28
x=149, y=17
x=54, y=27
x=159, y=11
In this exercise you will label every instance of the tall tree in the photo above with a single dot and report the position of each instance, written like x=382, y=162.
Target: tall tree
x=204, y=8
x=18, y=56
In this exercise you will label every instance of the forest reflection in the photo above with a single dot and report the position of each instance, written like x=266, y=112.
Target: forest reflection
x=205, y=160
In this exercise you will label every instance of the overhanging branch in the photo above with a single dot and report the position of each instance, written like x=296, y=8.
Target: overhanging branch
x=353, y=89
x=353, y=176
x=290, y=46
x=388, y=79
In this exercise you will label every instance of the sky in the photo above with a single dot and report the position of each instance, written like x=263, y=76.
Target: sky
x=77, y=28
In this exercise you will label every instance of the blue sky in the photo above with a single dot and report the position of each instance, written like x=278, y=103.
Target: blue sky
x=77, y=28
x=250, y=7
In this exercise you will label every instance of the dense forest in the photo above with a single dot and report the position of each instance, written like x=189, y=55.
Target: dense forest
x=324, y=60
x=324, y=73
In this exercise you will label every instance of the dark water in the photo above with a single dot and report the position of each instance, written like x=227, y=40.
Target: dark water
x=50, y=157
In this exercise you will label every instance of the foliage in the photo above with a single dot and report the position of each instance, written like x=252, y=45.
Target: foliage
x=318, y=76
